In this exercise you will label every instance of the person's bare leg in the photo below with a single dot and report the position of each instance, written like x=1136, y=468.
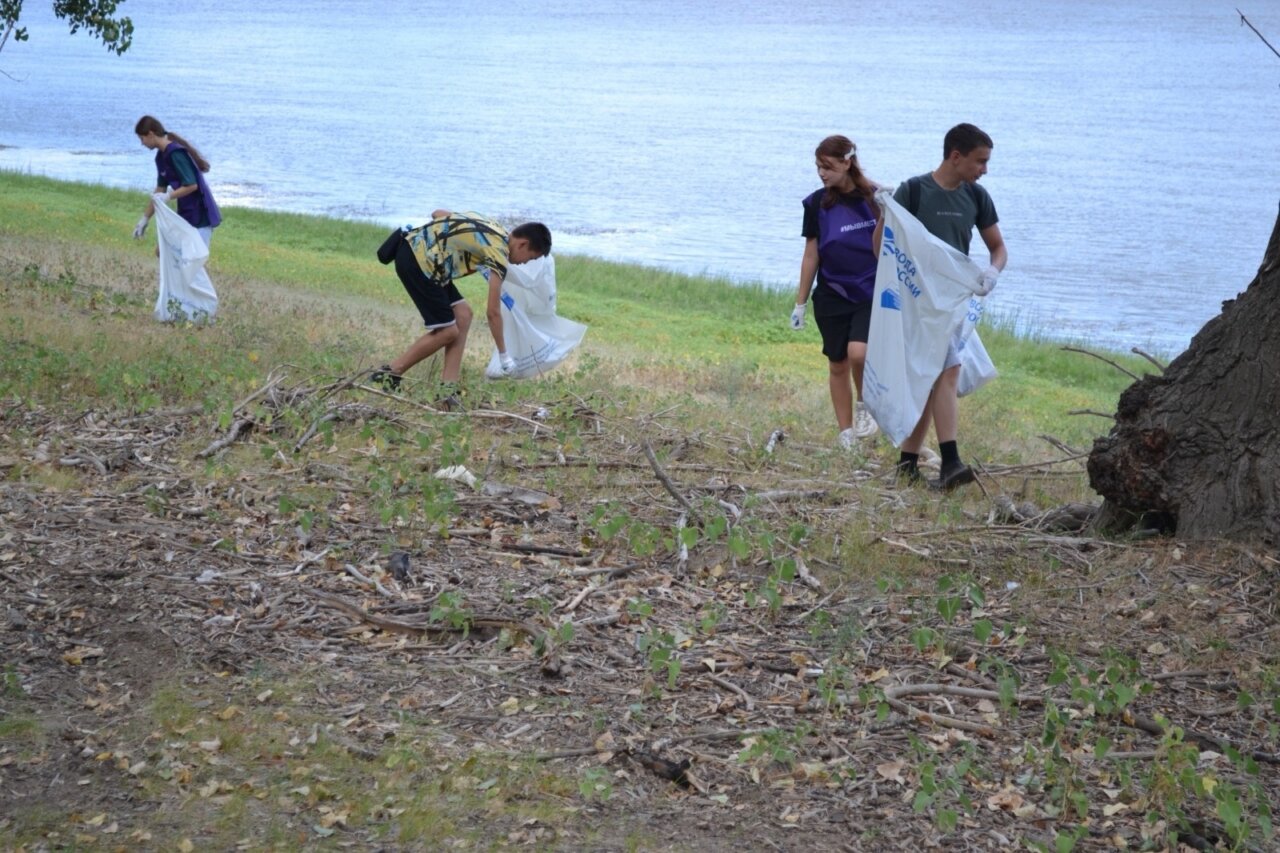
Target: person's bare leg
x=841, y=393
x=913, y=442
x=424, y=347
x=946, y=404
x=453, y=352
x=857, y=361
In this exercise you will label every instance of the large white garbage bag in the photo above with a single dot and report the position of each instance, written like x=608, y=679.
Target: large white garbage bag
x=924, y=301
x=535, y=336
x=186, y=293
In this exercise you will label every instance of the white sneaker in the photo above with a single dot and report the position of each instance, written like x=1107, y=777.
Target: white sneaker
x=864, y=426
x=846, y=439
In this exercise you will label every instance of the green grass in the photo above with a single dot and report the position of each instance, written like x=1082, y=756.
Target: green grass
x=307, y=291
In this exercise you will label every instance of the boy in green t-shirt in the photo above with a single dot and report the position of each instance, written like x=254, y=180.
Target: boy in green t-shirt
x=949, y=202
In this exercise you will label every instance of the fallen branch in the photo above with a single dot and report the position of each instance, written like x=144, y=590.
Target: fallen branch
x=238, y=427
x=1123, y=370
x=666, y=481
x=513, y=625
x=732, y=688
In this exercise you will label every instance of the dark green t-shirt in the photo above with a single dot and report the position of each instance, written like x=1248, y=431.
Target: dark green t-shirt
x=950, y=215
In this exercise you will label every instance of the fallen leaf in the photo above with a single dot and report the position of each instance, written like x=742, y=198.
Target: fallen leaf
x=77, y=656
x=210, y=745
x=1007, y=800
x=891, y=771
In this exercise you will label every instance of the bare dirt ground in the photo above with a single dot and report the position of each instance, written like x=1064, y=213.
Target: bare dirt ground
x=289, y=633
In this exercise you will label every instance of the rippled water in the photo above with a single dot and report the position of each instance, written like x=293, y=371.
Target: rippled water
x=1135, y=167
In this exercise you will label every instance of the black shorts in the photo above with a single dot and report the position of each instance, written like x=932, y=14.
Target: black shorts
x=435, y=300
x=840, y=321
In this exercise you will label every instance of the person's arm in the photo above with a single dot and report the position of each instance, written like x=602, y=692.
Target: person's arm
x=185, y=189
x=186, y=169
x=995, y=246
x=999, y=257
x=493, y=310
x=808, y=270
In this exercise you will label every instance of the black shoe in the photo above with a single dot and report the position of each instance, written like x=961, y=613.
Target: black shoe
x=450, y=399
x=384, y=376
x=954, y=475
x=909, y=474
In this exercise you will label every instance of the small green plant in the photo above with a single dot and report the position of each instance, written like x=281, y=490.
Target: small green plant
x=660, y=647
x=595, y=785
x=639, y=609
x=777, y=746
x=11, y=683
x=449, y=610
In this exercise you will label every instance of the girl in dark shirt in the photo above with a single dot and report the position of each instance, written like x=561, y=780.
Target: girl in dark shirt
x=840, y=251
x=179, y=175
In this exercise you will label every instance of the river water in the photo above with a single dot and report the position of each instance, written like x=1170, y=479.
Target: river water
x=1135, y=168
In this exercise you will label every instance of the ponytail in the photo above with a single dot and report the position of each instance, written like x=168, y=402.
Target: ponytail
x=151, y=124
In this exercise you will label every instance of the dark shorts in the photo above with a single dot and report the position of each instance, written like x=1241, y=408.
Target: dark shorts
x=435, y=300
x=840, y=322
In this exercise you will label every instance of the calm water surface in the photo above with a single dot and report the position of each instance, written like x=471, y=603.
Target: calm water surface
x=1135, y=168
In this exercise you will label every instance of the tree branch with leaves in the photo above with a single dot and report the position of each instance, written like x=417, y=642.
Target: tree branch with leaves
x=97, y=17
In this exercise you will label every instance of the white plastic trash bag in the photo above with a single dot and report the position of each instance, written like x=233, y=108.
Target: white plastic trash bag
x=923, y=303
x=535, y=336
x=976, y=367
x=186, y=293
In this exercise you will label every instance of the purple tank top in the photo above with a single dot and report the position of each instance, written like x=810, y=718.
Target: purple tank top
x=846, y=260
x=197, y=208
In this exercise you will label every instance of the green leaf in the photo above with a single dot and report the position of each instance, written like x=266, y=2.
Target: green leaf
x=948, y=608
x=982, y=630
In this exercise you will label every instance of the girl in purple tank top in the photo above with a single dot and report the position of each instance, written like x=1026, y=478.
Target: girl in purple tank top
x=841, y=252
x=179, y=175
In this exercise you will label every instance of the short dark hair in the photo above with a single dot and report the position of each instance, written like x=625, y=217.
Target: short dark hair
x=538, y=235
x=964, y=138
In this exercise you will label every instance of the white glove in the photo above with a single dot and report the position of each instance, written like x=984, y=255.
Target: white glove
x=987, y=281
x=159, y=199
x=140, y=228
x=797, y=316
x=508, y=364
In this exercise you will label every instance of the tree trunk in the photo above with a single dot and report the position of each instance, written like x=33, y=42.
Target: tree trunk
x=1198, y=447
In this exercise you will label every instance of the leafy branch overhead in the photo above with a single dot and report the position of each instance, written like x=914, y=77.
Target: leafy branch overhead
x=97, y=17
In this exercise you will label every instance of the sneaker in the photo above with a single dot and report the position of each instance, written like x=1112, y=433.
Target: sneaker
x=909, y=474
x=388, y=379
x=847, y=440
x=864, y=426
x=954, y=475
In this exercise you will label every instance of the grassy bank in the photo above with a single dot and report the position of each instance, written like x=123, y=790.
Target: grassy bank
x=307, y=290
x=246, y=610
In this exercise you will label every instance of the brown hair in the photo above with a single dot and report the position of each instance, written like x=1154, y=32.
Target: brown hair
x=151, y=124
x=839, y=147
x=964, y=138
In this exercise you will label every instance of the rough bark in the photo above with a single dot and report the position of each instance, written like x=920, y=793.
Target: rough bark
x=1198, y=447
